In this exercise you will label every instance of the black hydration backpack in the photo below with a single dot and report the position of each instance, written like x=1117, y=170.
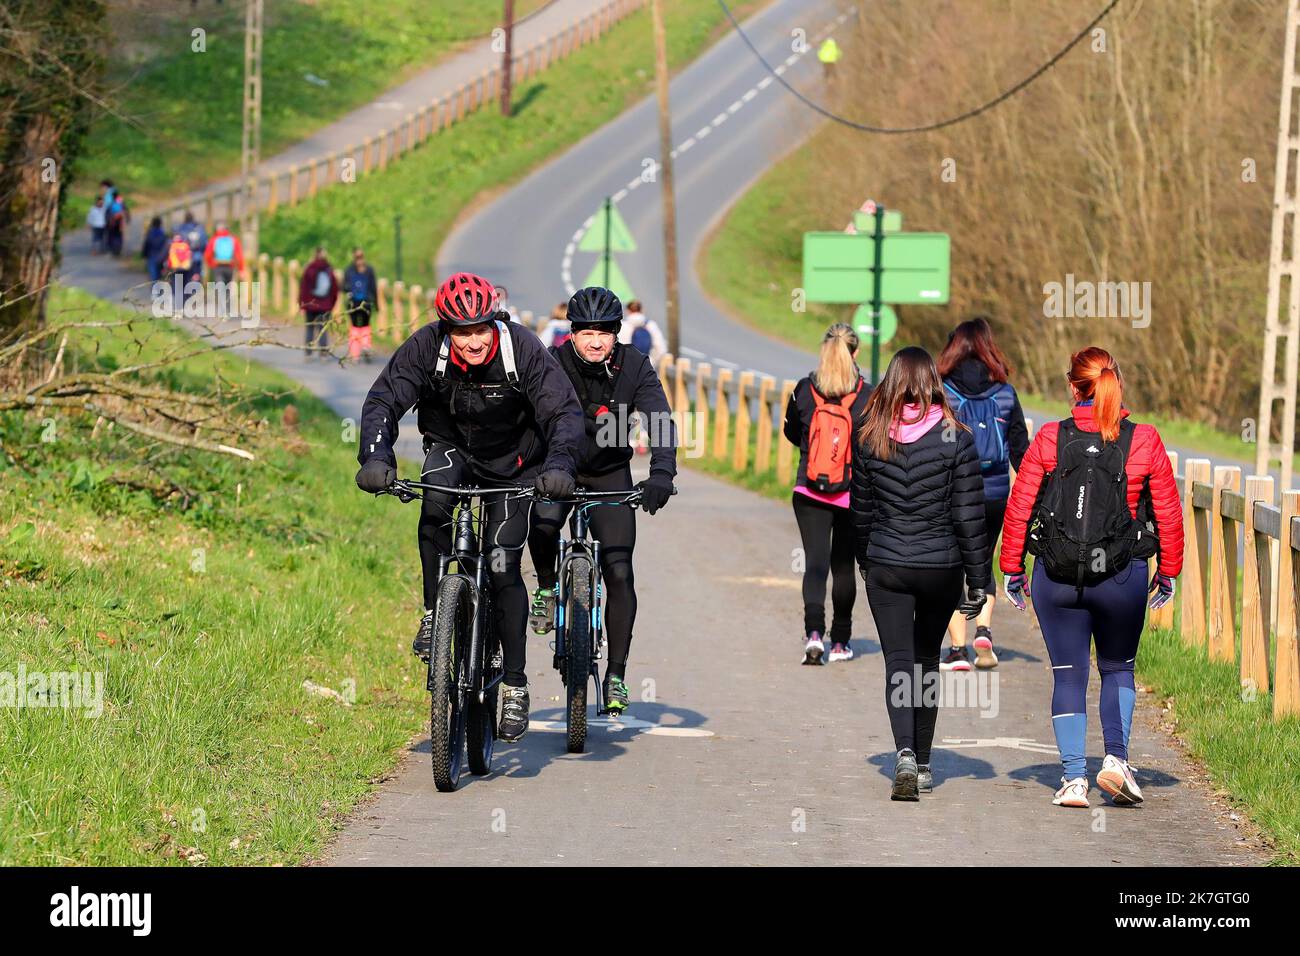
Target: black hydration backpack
x=1081, y=529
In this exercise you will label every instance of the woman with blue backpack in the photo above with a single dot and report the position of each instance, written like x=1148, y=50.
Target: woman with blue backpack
x=975, y=374
x=824, y=412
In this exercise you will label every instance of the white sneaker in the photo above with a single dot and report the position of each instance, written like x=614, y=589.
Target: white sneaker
x=840, y=652
x=813, y=649
x=1073, y=793
x=1116, y=778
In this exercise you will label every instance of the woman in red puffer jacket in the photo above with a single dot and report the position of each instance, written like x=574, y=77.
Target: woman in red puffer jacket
x=1110, y=611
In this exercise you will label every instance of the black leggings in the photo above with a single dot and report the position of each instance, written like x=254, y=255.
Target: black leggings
x=827, y=534
x=614, y=526
x=505, y=532
x=911, y=607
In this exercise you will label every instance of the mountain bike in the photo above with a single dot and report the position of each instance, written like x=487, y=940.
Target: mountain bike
x=579, y=621
x=465, y=664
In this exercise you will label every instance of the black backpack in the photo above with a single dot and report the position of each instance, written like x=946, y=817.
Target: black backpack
x=1081, y=529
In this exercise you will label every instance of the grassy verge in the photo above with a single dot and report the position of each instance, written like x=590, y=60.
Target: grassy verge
x=1247, y=754
x=178, y=109
x=754, y=259
x=431, y=185
x=204, y=624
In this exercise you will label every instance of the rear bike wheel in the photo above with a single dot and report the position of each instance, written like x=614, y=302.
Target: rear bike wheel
x=448, y=666
x=481, y=719
x=577, y=650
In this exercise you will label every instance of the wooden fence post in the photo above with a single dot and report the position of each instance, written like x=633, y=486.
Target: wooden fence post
x=1286, y=683
x=277, y=285
x=681, y=368
x=740, y=453
x=417, y=297
x=399, y=304
x=703, y=375
x=1223, y=567
x=721, y=416
x=763, y=444
x=1164, y=617
x=665, y=380
x=1254, y=591
x=381, y=307
x=1195, y=536
x=784, y=450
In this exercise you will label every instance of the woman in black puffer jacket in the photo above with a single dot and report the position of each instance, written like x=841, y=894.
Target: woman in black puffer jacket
x=917, y=501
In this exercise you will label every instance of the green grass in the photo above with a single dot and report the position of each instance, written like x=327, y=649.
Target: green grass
x=1250, y=757
x=434, y=183
x=179, y=112
x=754, y=259
x=205, y=622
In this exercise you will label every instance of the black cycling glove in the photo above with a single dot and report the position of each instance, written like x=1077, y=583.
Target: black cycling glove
x=974, y=603
x=555, y=484
x=655, y=492
x=376, y=475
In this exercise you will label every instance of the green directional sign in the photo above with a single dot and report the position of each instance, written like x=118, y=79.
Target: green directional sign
x=608, y=222
x=892, y=221
x=888, y=323
x=613, y=279
x=839, y=267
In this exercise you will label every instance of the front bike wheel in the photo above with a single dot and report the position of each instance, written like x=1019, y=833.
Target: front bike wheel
x=577, y=647
x=447, y=670
x=481, y=719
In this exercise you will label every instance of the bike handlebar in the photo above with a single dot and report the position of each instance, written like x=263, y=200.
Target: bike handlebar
x=404, y=490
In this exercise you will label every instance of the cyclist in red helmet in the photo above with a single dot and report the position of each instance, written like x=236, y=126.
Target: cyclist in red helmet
x=494, y=407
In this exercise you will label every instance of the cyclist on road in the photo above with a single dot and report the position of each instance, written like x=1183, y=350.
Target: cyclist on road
x=613, y=382
x=1103, y=598
x=824, y=412
x=494, y=408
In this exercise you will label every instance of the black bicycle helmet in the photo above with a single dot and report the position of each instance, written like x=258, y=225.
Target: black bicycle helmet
x=594, y=307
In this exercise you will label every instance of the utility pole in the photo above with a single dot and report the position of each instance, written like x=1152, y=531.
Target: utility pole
x=672, y=311
x=252, y=140
x=1282, y=262
x=508, y=57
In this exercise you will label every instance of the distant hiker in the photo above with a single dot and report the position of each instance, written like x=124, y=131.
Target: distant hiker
x=556, y=330
x=224, y=256
x=154, y=250
x=642, y=333
x=197, y=238
x=829, y=54
x=363, y=293
x=318, y=291
x=503, y=295
x=96, y=219
x=180, y=261
x=117, y=217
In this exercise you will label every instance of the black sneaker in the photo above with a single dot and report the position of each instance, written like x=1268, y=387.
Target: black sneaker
x=615, y=694
x=514, y=713
x=422, y=646
x=924, y=778
x=957, y=659
x=905, y=776
x=541, y=613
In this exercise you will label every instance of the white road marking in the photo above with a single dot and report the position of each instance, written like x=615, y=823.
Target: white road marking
x=719, y=119
x=620, y=195
x=615, y=724
x=1010, y=743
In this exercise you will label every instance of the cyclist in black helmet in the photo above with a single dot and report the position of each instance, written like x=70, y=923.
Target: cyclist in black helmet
x=494, y=408
x=613, y=382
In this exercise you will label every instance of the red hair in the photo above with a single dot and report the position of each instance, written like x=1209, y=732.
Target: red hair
x=1095, y=375
x=974, y=337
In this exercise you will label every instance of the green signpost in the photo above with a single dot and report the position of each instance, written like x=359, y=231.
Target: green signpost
x=878, y=264
x=608, y=234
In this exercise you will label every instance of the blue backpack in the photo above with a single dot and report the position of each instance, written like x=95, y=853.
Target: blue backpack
x=360, y=287
x=986, y=418
x=223, y=249
x=642, y=340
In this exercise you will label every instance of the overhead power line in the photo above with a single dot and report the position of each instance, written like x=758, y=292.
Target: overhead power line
x=927, y=127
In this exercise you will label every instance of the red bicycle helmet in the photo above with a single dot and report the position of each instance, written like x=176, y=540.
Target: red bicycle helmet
x=466, y=299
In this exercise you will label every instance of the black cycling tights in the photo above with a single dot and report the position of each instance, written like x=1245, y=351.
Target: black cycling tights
x=506, y=531
x=614, y=526
x=911, y=607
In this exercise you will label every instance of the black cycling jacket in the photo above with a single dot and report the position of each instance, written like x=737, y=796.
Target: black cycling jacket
x=610, y=394
x=504, y=430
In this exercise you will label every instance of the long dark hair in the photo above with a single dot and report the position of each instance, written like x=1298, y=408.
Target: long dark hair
x=910, y=379
x=974, y=337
